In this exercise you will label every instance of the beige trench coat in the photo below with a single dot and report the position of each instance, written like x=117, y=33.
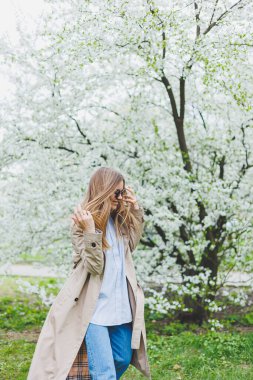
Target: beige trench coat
x=62, y=334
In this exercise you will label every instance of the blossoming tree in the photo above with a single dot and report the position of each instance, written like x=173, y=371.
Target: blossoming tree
x=160, y=91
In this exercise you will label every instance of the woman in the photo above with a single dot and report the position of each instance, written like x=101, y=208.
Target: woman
x=95, y=328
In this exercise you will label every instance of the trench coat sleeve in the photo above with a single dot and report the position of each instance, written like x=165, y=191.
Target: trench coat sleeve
x=135, y=235
x=87, y=246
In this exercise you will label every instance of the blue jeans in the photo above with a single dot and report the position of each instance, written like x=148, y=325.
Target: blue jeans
x=109, y=350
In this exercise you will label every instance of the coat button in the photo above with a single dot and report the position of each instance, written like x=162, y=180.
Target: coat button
x=93, y=244
x=76, y=299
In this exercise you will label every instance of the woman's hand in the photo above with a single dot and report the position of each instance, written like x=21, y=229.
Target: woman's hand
x=131, y=198
x=83, y=219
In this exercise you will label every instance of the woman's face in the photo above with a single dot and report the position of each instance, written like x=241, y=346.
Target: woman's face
x=114, y=202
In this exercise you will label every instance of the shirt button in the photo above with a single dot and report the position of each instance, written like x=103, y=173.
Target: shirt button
x=93, y=244
x=76, y=299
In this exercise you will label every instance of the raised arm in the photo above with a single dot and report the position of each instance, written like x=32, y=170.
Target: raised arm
x=87, y=246
x=135, y=236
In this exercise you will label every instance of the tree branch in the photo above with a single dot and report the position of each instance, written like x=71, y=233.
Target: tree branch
x=197, y=14
x=79, y=129
x=222, y=16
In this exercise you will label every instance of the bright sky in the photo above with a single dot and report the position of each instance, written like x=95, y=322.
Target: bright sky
x=10, y=12
x=13, y=10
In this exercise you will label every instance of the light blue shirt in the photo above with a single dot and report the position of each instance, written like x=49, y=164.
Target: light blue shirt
x=113, y=305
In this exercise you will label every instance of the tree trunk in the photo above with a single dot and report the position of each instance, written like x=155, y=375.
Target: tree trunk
x=197, y=313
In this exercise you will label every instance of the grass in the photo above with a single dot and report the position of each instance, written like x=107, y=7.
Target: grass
x=210, y=356
x=19, y=311
x=174, y=353
x=205, y=356
x=15, y=357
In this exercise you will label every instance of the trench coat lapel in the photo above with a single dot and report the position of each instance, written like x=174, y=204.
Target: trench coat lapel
x=60, y=352
x=80, y=368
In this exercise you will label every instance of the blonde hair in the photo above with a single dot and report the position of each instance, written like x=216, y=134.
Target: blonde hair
x=102, y=184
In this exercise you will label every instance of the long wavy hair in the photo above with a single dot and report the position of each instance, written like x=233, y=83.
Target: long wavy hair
x=102, y=185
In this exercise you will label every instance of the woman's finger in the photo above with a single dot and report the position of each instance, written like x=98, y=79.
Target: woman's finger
x=78, y=214
x=130, y=189
x=75, y=220
x=129, y=197
x=81, y=212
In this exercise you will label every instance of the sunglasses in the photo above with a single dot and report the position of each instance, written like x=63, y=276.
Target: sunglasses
x=118, y=192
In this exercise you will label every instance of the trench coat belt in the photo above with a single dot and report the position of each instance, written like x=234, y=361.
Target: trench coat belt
x=139, y=319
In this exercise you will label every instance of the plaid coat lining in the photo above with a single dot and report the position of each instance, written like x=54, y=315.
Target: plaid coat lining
x=80, y=369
